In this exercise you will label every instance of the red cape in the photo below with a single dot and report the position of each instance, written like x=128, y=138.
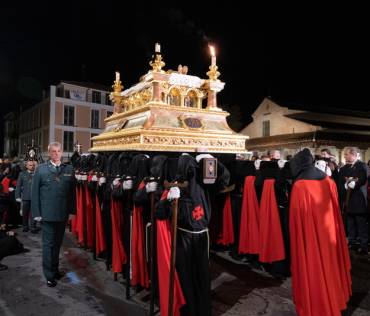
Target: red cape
x=74, y=219
x=321, y=278
x=80, y=220
x=139, y=264
x=140, y=274
x=119, y=257
x=89, y=211
x=99, y=228
x=271, y=240
x=226, y=236
x=249, y=220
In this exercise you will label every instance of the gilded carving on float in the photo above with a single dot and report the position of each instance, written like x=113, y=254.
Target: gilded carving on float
x=169, y=111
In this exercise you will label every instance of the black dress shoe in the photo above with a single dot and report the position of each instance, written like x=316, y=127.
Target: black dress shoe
x=26, y=229
x=51, y=283
x=60, y=274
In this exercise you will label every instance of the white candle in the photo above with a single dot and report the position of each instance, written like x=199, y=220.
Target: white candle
x=157, y=48
x=213, y=55
x=117, y=76
x=213, y=61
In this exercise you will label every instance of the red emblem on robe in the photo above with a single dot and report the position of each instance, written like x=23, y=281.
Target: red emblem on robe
x=197, y=213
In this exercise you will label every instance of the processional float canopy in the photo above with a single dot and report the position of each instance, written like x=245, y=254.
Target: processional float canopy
x=169, y=111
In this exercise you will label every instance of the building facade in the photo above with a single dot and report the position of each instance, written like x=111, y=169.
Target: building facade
x=291, y=128
x=73, y=112
x=11, y=133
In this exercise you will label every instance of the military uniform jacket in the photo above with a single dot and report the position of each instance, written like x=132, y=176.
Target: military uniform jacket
x=23, y=189
x=53, y=192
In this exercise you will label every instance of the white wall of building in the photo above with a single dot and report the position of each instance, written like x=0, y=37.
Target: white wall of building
x=279, y=124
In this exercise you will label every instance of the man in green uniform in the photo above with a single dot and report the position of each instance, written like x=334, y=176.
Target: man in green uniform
x=23, y=195
x=53, y=200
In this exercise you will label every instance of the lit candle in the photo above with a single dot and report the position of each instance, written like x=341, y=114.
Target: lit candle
x=213, y=55
x=157, y=48
x=117, y=76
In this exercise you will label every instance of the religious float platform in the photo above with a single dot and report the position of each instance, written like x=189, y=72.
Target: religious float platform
x=169, y=111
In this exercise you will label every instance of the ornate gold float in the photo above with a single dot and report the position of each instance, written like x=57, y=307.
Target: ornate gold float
x=169, y=111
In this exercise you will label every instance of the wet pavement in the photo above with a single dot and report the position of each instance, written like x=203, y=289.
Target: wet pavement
x=88, y=289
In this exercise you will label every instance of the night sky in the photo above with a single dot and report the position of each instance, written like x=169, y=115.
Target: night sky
x=306, y=56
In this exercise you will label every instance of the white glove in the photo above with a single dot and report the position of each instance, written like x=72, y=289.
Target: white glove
x=151, y=187
x=257, y=164
x=94, y=178
x=351, y=184
x=116, y=182
x=102, y=180
x=328, y=171
x=83, y=177
x=201, y=156
x=20, y=212
x=281, y=163
x=346, y=186
x=77, y=176
x=19, y=200
x=38, y=219
x=11, y=189
x=127, y=185
x=174, y=193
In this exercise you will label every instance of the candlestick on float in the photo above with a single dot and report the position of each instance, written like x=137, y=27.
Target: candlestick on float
x=213, y=74
x=157, y=63
x=115, y=96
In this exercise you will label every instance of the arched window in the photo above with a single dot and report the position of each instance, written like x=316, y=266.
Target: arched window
x=174, y=97
x=191, y=100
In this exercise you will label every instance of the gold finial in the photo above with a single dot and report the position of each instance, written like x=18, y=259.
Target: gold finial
x=115, y=96
x=157, y=64
x=213, y=74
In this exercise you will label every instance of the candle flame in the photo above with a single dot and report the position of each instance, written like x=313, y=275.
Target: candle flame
x=212, y=50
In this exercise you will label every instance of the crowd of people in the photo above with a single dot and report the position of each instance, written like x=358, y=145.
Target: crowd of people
x=13, y=201
x=297, y=217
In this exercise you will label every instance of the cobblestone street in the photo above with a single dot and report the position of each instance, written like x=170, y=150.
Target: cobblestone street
x=89, y=289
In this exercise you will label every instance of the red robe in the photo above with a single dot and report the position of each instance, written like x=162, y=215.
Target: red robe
x=99, y=229
x=139, y=265
x=119, y=257
x=249, y=220
x=164, y=259
x=271, y=240
x=89, y=211
x=140, y=275
x=226, y=236
x=74, y=219
x=80, y=220
x=321, y=278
